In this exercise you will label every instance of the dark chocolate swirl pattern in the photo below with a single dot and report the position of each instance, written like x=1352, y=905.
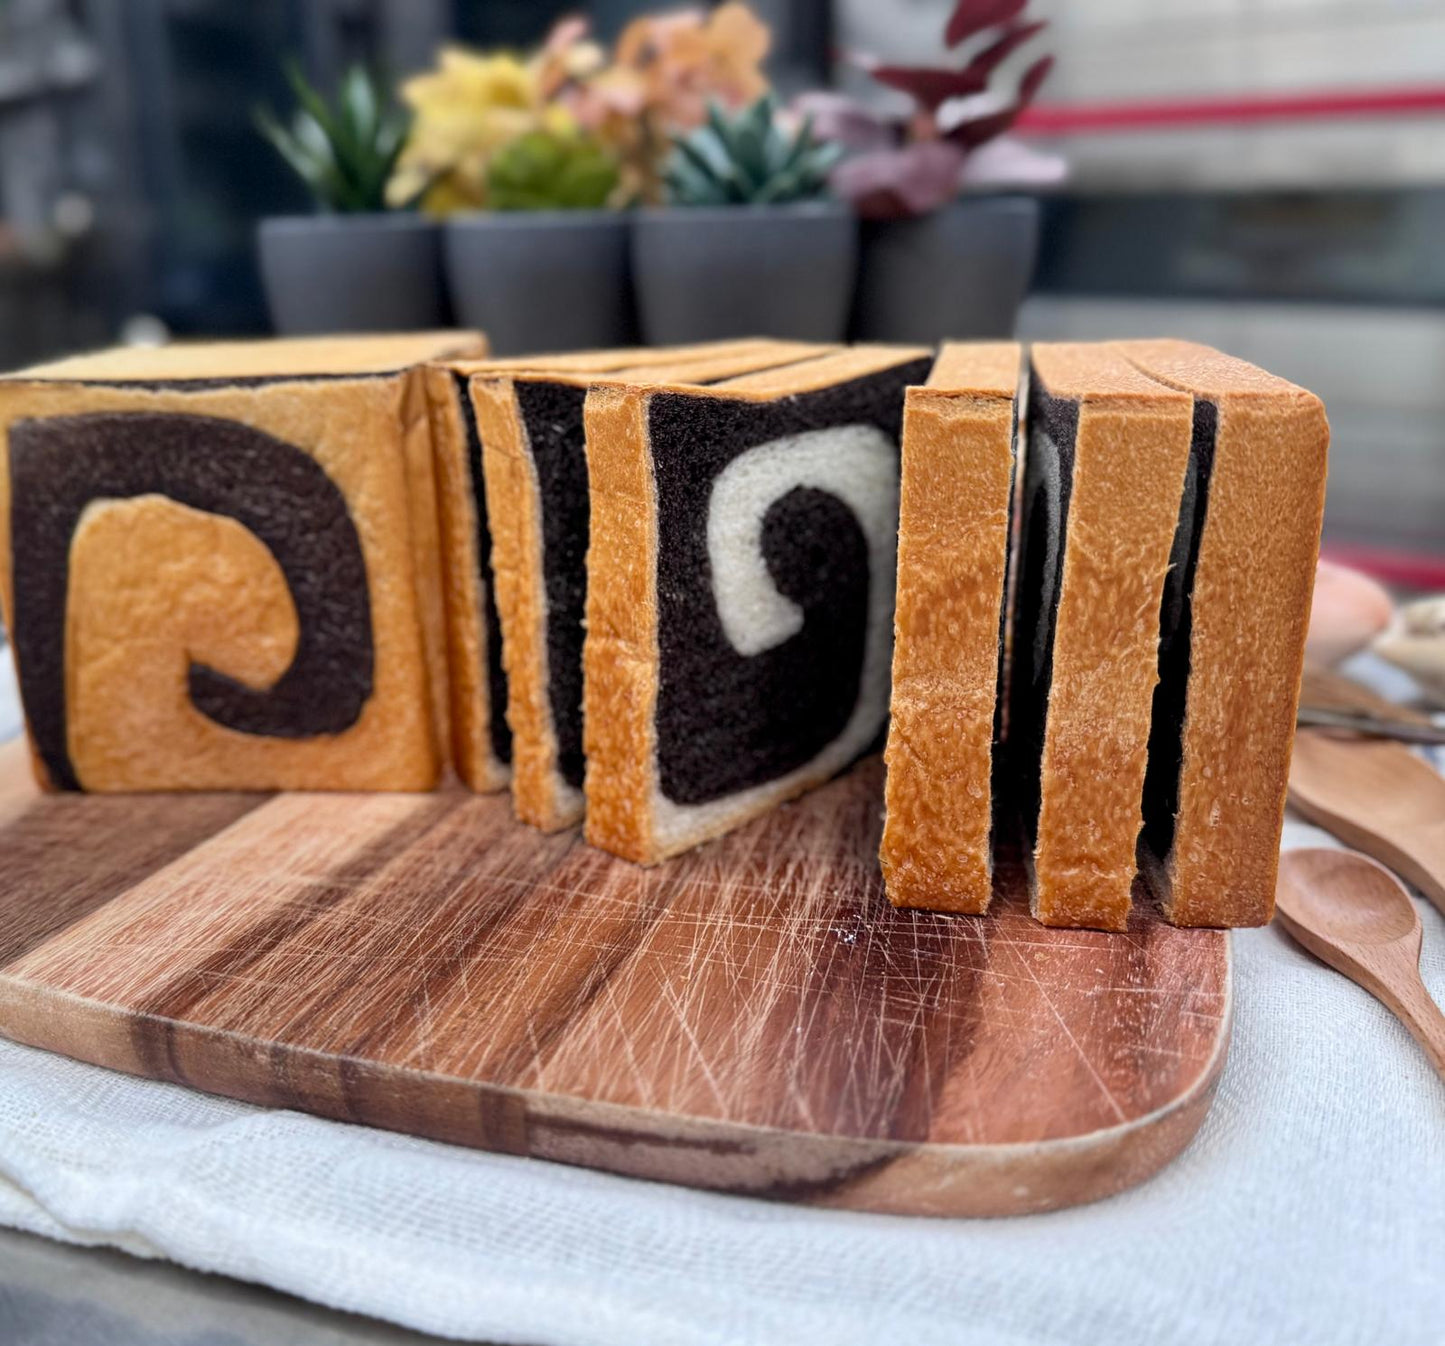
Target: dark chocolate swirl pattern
x=61, y=464
x=731, y=717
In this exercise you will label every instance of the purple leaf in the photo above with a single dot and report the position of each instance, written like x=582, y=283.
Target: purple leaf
x=930, y=86
x=973, y=16
x=971, y=134
x=845, y=121
x=1010, y=162
x=992, y=56
x=900, y=182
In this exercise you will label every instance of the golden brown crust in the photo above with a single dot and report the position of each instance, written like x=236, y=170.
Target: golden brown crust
x=620, y=653
x=464, y=600
x=976, y=369
x=514, y=507
x=1130, y=457
x=806, y=376
x=584, y=363
x=426, y=547
x=953, y=538
x=698, y=371
x=1250, y=612
x=274, y=357
x=353, y=429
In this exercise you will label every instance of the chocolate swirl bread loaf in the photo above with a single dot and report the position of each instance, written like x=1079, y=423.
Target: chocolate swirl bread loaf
x=1166, y=523
x=740, y=590
x=218, y=565
x=287, y=564
x=534, y=467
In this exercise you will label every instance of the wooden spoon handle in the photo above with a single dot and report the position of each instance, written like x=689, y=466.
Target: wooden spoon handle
x=1421, y=1015
x=1377, y=797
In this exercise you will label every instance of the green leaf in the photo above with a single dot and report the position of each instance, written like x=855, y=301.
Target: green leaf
x=706, y=153
x=301, y=158
x=587, y=183
x=686, y=186
x=747, y=157
x=344, y=153
x=313, y=104
x=542, y=170
x=801, y=148
x=718, y=122
x=358, y=98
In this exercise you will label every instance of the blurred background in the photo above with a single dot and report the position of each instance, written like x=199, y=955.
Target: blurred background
x=1264, y=175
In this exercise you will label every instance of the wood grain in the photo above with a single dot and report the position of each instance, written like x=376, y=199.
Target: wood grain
x=1378, y=797
x=1353, y=914
x=752, y=1017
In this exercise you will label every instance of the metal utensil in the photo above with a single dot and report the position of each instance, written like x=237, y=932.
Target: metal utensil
x=1374, y=726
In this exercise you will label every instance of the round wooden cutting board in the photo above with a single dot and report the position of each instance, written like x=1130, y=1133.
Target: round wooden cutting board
x=752, y=1017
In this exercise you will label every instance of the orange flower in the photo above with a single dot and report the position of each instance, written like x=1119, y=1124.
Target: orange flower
x=685, y=59
x=567, y=59
x=665, y=71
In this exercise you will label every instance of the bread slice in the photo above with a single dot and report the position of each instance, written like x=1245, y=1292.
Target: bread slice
x=1104, y=474
x=218, y=565
x=740, y=590
x=959, y=447
x=535, y=470
x=1232, y=629
x=481, y=738
x=481, y=743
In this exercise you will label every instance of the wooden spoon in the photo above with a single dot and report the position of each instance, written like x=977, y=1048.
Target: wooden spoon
x=1378, y=797
x=1354, y=915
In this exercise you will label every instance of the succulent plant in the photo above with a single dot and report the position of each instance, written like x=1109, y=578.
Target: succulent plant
x=748, y=158
x=343, y=153
x=546, y=170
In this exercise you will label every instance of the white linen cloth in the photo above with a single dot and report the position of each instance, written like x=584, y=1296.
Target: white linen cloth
x=1310, y=1209
x=9, y=695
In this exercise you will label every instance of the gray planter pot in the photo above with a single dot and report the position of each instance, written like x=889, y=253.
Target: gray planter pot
x=960, y=272
x=706, y=273
x=352, y=273
x=542, y=280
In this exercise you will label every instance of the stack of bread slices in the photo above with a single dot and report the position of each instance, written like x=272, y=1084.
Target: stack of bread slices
x=659, y=592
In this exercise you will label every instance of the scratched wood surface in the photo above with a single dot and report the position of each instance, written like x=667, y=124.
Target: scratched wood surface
x=753, y=1017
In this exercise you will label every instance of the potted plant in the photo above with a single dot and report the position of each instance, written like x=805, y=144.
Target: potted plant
x=355, y=265
x=533, y=162
x=533, y=254
x=943, y=253
x=545, y=266
x=750, y=243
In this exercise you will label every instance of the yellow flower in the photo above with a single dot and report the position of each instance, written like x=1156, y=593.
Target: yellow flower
x=465, y=110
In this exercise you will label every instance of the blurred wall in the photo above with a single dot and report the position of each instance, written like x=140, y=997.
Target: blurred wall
x=1174, y=53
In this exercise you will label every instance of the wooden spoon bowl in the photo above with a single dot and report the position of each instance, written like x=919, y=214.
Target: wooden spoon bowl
x=1356, y=916
x=1355, y=898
